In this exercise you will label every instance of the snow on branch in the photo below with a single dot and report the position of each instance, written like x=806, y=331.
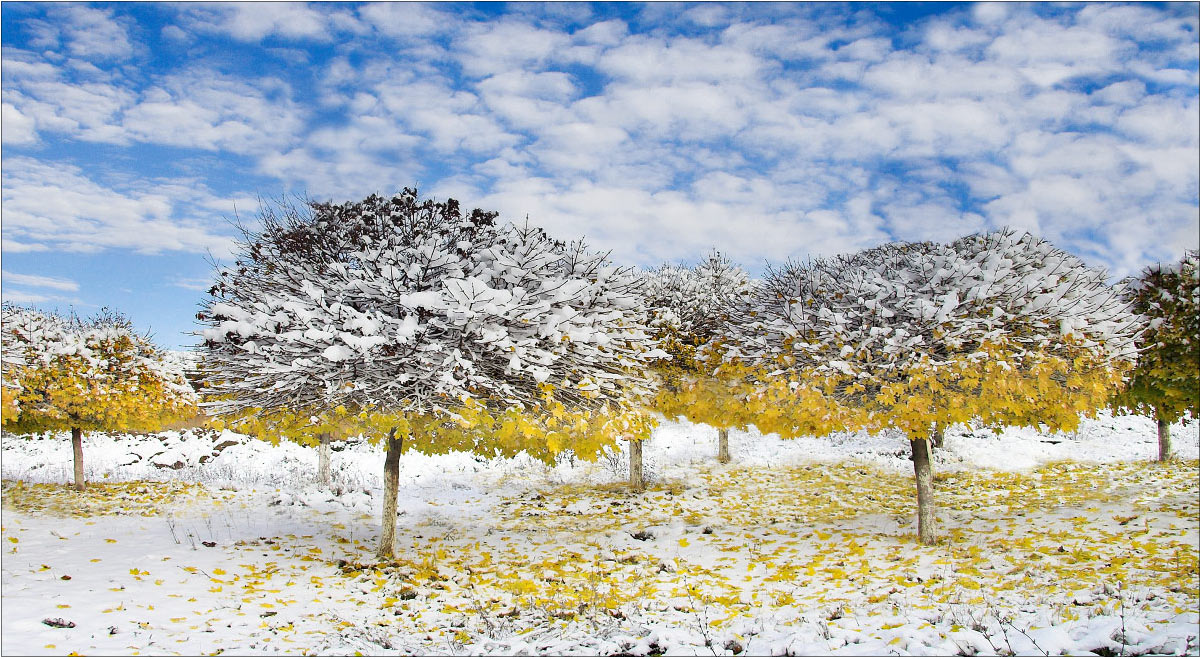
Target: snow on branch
x=61, y=372
x=883, y=310
x=406, y=304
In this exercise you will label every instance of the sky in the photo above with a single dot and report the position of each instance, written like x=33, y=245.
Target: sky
x=137, y=135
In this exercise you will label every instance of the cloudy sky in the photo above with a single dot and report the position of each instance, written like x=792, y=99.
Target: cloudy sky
x=134, y=134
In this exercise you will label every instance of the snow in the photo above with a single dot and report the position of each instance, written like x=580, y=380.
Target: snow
x=337, y=353
x=724, y=560
x=940, y=292
x=415, y=317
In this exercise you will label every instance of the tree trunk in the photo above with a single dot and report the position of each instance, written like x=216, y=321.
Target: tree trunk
x=392, y=477
x=724, y=445
x=323, y=458
x=920, y=453
x=636, y=465
x=77, y=450
x=1166, y=442
x=937, y=438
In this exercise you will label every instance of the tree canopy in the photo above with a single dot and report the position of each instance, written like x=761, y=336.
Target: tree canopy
x=401, y=307
x=690, y=309
x=98, y=374
x=1003, y=328
x=1164, y=384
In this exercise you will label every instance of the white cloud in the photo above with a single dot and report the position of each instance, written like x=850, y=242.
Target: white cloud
x=193, y=108
x=56, y=206
x=256, y=21
x=707, y=15
x=643, y=60
x=404, y=19
x=603, y=33
x=26, y=297
x=488, y=48
x=176, y=34
x=43, y=94
x=39, y=281
x=193, y=283
x=774, y=133
x=93, y=34
x=205, y=110
x=18, y=128
x=679, y=121
x=85, y=32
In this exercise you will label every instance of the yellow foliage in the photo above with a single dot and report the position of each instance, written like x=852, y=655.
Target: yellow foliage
x=732, y=395
x=113, y=389
x=469, y=426
x=999, y=385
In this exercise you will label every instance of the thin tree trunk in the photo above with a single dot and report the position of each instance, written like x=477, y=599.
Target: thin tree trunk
x=920, y=453
x=937, y=438
x=636, y=464
x=323, y=458
x=1166, y=441
x=77, y=450
x=392, y=477
x=723, y=445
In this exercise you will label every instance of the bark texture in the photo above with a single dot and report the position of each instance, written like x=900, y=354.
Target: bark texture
x=920, y=453
x=392, y=477
x=323, y=458
x=77, y=453
x=637, y=481
x=1166, y=441
x=723, y=445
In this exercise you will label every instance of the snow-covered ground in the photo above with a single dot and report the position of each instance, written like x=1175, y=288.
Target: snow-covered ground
x=1053, y=543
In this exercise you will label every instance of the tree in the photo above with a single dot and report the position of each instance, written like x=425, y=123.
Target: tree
x=432, y=327
x=1164, y=384
x=1002, y=328
x=689, y=310
x=315, y=427
x=68, y=374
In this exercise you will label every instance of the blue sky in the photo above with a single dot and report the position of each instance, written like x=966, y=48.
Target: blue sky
x=133, y=133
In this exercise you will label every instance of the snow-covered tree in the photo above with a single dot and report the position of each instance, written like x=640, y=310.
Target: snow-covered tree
x=690, y=308
x=1001, y=328
x=430, y=326
x=1164, y=384
x=68, y=374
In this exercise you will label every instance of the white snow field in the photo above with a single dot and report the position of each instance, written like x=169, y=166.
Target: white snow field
x=1059, y=544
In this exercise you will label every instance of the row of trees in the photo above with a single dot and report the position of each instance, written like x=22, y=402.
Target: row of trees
x=421, y=325
x=1000, y=329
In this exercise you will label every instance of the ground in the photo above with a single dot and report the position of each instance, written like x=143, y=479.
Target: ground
x=1068, y=543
